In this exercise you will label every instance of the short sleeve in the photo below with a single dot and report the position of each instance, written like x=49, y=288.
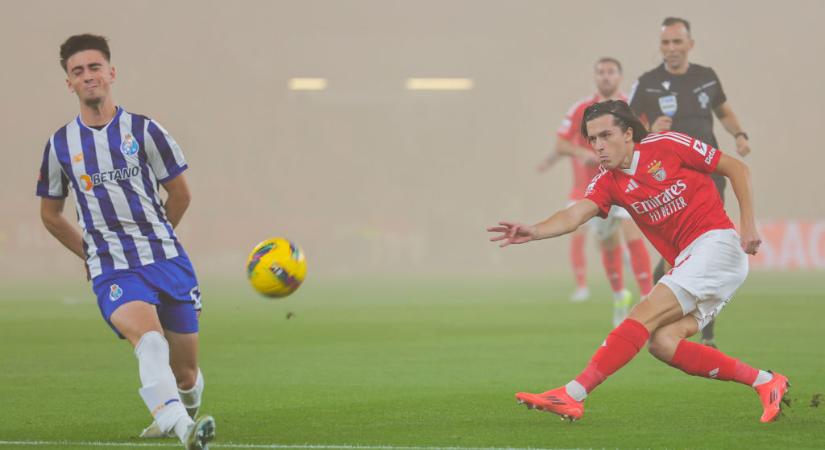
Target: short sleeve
x=52, y=182
x=163, y=153
x=599, y=192
x=695, y=154
x=720, y=96
x=571, y=123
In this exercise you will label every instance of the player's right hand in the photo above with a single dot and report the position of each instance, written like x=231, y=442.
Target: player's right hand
x=662, y=123
x=512, y=233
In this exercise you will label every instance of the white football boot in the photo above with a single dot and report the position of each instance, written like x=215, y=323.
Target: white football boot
x=153, y=431
x=200, y=433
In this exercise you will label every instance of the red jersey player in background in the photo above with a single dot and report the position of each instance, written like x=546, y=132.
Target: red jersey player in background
x=664, y=181
x=607, y=76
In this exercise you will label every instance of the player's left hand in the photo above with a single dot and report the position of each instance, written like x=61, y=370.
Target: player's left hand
x=750, y=240
x=743, y=147
x=514, y=233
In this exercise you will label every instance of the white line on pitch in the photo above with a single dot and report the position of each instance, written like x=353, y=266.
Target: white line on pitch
x=253, y=446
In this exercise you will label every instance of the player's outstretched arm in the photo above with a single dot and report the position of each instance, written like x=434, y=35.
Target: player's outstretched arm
x=51, y=213
x=740, y=178
x=179, y=198
x=562, y=222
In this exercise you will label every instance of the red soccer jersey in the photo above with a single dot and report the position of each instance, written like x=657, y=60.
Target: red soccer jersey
x=570, y=130
x=667, y=190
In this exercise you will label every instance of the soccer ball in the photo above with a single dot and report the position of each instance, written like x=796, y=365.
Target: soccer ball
x=276, y=267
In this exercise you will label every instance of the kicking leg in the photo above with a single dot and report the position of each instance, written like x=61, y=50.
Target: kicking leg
x=670, y=345
x=622, y=344
x=138, y=322
x=184, y=363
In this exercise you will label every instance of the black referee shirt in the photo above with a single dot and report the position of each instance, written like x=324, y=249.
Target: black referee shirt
x=688, y=98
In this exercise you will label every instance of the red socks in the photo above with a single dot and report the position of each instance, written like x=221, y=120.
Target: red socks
x=621, y=345
x=612, y=260
x=577, y=259
x=703, y=361
x=640, y=260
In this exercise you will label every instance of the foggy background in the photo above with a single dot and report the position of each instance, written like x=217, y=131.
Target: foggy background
x=369, y=177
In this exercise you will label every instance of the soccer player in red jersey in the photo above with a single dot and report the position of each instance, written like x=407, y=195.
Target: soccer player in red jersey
x=663, y=180
x=607, y=76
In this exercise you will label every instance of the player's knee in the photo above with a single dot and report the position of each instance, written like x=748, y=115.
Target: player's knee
x=152, y=343
x=662, y=345
x=186, y=377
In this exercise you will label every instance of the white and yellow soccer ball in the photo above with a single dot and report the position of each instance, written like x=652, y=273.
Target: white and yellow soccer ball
x=276, y=267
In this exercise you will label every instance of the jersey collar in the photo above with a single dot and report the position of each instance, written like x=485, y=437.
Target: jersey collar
x=114, y=118
x=634, y=163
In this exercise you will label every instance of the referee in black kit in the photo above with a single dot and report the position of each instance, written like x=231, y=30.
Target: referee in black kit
x=678, y=95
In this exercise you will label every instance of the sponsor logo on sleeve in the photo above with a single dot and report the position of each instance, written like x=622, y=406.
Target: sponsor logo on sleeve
x=709, y=158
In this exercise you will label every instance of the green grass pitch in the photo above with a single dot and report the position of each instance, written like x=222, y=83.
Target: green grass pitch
x=409, y=363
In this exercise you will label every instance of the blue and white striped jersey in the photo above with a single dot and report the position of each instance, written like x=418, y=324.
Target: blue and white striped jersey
x=115, y=174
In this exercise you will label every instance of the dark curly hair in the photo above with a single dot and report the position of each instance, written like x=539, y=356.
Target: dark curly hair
x=80, y=42
x=622, y=116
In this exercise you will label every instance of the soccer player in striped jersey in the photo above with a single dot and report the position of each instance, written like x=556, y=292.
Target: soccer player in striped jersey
x=115, y=162
x=663, y=180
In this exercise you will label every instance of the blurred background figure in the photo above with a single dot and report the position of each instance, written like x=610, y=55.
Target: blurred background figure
x=607, y=74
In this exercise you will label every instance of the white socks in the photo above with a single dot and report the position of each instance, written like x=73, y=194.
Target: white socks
x=192, y=398
x=575, y=390
x=762, y=378
x=159, y=389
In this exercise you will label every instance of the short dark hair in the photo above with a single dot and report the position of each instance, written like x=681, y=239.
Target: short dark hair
x=609, y=59
x=80, y=42
x=674, y=20
x=622, y=116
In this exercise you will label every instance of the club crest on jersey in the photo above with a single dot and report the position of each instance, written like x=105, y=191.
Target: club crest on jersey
x=704, y=99
x=668, y=105
x=115, y=292
x=656, y=170
x=129, y=146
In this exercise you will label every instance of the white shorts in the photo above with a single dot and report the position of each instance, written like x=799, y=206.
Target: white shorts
x=605, y=228
x=707, y=273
